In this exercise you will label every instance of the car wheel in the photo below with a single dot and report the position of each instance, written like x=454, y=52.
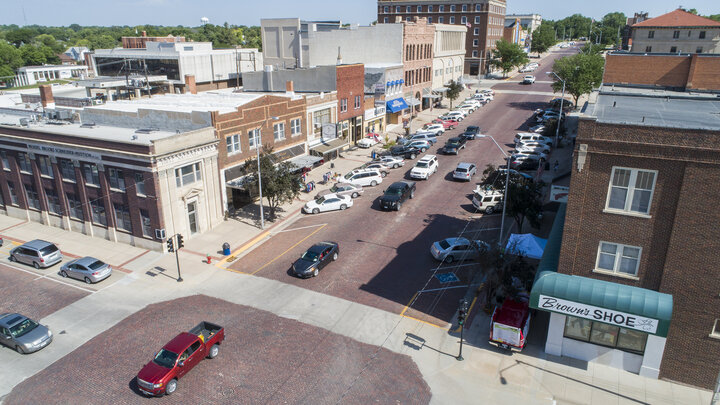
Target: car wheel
x=422, y=150
x=354, y=195
x=214, y=350
x=63, y=273
x=171, y=387
x=412, y=156
x=373, y=183
x=335, y=256
x=449, y=259
x=342, y=207
x=395, y=166
x=12, y=258
x=87, y=280
x=489, y=210
x=412, y=195
x=19, y=350
x=383, y=174
x=315, y=272
x=315, y=211
x=398, y=206
x=36, y=265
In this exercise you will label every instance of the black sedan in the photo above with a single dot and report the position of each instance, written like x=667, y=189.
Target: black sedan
x=408, y=152
x=315, y=259
x=453, y=145
x=471, y=132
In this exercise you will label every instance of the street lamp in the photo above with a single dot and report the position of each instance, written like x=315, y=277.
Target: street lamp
x=562, y=99
x=257, y=149
x=507, y=184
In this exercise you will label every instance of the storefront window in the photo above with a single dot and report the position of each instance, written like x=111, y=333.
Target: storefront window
x=632, y=340
x=577, y=328
x=605, y=335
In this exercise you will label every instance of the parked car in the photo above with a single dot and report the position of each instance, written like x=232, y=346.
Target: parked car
x=367, y=142
x=473, y=101
x=457, y=249
x=461, y=111
x=408, y=152
x=364, y=177
x=37, y=253
x=464, y=171
x=328, y=202
x=433, y=128
x=23, y=334
x=483, y=97
x=430, y=138
x=466, y=108
x=390, y=161
x=382, y=167
x=529, y=79
x=88, y=269
x=454, y=115
x=179, y=356
x=540, y=155
x=526, y=69
x=446, y=123
x=487, y=200
x=421, y=144
x=525, y=162
x=342, y=189
x=556, y=103
x=396, y=194
x=533, y=147
x=538, y=129
x=453, y=145
x=425, y=167
x=1, y=241
x=532, y=137
x=315, y=259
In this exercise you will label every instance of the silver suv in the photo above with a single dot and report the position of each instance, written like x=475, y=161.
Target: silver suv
x=37, y=253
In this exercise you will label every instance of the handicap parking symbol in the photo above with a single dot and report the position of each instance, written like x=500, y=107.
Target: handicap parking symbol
x=447, y=277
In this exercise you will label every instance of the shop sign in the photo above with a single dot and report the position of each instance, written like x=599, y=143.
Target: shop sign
x=72, y=153
x=559, y=193
x=593, y=313
x=371, y=113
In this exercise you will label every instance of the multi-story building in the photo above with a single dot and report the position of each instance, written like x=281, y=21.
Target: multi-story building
x=528, y=22
x=676, y=32
x=139, y=42
x=629, y=275
x=627, y=29
x=448, y=57
x=485, y=21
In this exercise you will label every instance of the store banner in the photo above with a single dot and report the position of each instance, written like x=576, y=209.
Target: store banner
x=593, y=313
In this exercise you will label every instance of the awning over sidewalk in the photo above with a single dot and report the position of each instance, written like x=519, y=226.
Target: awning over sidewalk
x=441, y=90
x=329, y=146
x=307, y=161
x=429, y=94
x=396, y=105
x=413, y=101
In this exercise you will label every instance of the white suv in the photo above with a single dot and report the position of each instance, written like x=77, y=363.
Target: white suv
x=435, y=129
x=364, y=177
x=426, y=166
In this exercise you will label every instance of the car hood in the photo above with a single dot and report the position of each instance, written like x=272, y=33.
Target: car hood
x=390, y=198
x=301, y=266
x=153, y=373
x=34, y=335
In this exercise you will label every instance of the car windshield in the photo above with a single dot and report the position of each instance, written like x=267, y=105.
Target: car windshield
x=49, y=249
x=310, y=256
x=348, y=175
x=394, y=191
x=444, y=244
x=96, y=265
x=334, y=189
x=421, y=164
x=461, y=170
x=453, y=143
x=23, y=327
x=320, y=200
x=165, y=358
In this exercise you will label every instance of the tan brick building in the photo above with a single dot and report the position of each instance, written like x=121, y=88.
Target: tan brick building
x=690, y=72
x=676, y=32
x=418, y=42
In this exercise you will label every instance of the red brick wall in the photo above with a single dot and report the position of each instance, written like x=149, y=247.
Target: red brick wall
x=350, y=83
x=664, y=70
x=706, y=75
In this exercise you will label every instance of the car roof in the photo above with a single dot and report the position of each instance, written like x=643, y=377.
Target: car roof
x=86, y=261
x=180, y=342
x=457, y=241
x=331, y=195
x=6, y=318
x=427, y=158
x=398, y=184
x=36, y=244
x=320, y=246
x=464, y=165
x=345, y=185
x=455, y=138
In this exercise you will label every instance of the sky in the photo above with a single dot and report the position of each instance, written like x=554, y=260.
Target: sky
x=249, y=12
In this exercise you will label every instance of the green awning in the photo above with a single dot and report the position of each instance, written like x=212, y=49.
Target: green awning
x=602, y=301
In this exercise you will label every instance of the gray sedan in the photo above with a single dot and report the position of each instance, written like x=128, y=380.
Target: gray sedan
x=23, y=334
x=88, y=269
x=342, y=189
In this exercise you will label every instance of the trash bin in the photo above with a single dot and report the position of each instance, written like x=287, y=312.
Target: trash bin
x=226, y=249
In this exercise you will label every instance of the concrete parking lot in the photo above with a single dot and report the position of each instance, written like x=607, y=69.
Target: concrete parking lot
x=264, y=359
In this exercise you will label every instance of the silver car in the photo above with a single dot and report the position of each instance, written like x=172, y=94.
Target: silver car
x=23, y=334
x=392, y=162
x=342, y=189
x=37, y=253
x=464, y=171
x=88, y=269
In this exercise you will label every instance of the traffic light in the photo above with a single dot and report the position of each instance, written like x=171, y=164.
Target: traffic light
x=180, y=243
x=462, y=311
x=170, y=245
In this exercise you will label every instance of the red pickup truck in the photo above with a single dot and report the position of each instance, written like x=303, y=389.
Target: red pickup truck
x=160, y=376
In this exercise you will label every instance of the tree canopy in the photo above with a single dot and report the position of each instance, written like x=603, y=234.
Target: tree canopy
x=543, y=38
x=507, y=55
x=279, y=184
x=581, y=73
x=454, y=89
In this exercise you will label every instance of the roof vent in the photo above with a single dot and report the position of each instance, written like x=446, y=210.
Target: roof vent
x=88, y=125
x=134, y=137
x=146, y=130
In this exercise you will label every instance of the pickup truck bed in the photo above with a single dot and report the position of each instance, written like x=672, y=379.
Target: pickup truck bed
x=207, y=331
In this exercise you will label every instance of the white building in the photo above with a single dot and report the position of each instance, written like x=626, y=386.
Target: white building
x=29, y=75
x=528, y=22
x=448, y=55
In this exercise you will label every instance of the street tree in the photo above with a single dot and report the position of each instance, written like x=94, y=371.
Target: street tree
x=581, y=73
x=279, y=183
x=507, y=56
x=523, y=203
x=454, y=89
x=10, y=59
x=543, y=38
x=574, y=26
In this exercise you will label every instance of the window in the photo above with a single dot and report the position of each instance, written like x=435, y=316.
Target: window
x=441, y=19
x=476, y=31
x=476, y=43
x=67, y=169
x=233, y=144
x=701, y=35
x=419, y=9
x=187, y=174
x=75, y=207
x=397, y=9
x=618, y=259
x=117, y=179
x=91, y=174
x=452, y=20
x=24, y=162
x=146, y=223
x=385, y=20
x=5, y=161
x=139, y=183
x=464, y=7
x=53, y=201
x=673, y=49
x=408, y=9
x=279, y=131
x=358, y=102
x=98, y=212
x=716, y=330
x=32, y=196
x=45, y=166
x=430, y=20
x=254, y=138
x=452, y=8
x=631, y=190
x=648, y=49
x=441, y=8
x=463, y=20
x=430, y=9
x=478, y=7
x=122, y=217
x=386, y=9
x=477, y=19
x=13, y=194
x=605, y=335
x=698, y=49
x=343, y=105
x=676, y=34
x=474, y=54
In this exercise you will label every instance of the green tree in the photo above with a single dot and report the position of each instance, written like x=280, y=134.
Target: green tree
x=20, y=36
x=454, y=89
x=103, y=42
x=714, y=17
x=10, y=59
x=581, y=73
x=543, y=38
x=279, y=184
x=574, y=26
x=32, y=55
x=523, y=203
x=507, y=55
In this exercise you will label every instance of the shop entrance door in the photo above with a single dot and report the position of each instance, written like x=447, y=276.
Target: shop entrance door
x=192, y=217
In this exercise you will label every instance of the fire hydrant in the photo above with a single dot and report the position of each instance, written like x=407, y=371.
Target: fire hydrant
x=208, y=258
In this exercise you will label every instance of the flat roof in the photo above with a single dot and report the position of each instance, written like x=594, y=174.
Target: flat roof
x=224, y=102
x=662, y=108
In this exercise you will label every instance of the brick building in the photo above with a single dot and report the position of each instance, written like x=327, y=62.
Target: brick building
x=676, y=32
x=629, y=271
x=697, y=72
x=139, y=42
x=485, y=21
x=418, y=51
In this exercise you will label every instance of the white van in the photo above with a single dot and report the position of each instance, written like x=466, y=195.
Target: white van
x=364, y=177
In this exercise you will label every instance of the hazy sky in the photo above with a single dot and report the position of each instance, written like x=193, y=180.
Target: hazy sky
x=249, y=12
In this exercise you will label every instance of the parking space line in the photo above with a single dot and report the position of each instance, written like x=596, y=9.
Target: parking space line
x=288, y=249
x=50, y=279
x=409, y=303
x=443, y=288
x=302, y=227
x=425, y=322
x=453, y=267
